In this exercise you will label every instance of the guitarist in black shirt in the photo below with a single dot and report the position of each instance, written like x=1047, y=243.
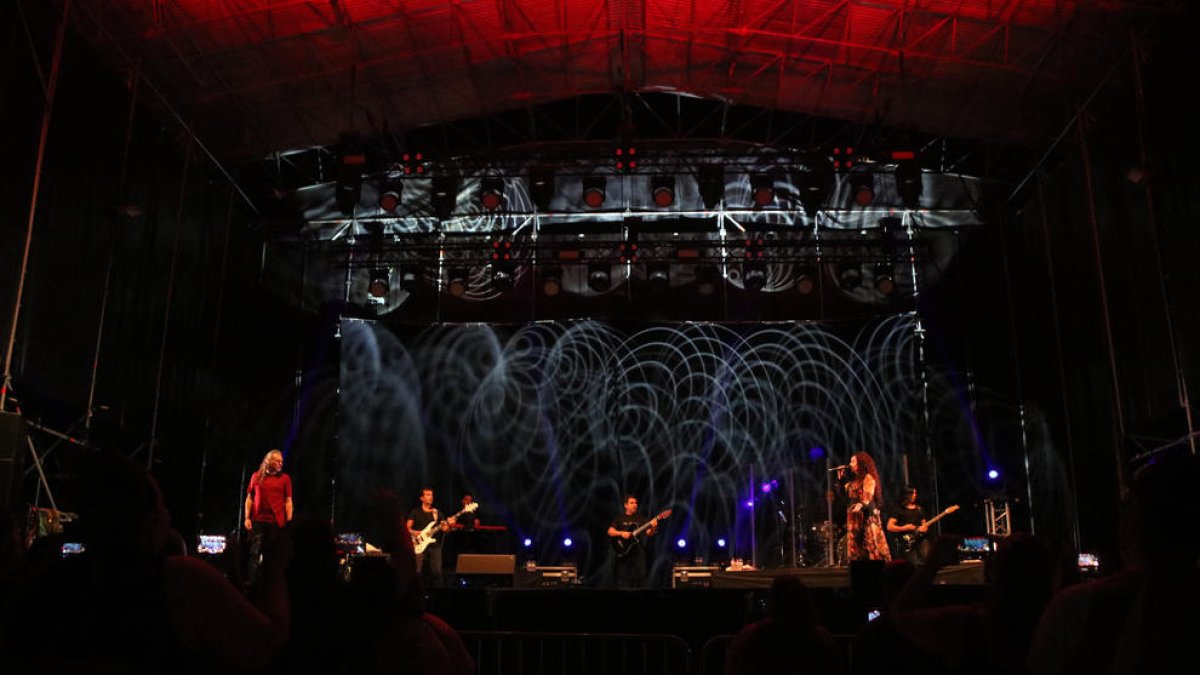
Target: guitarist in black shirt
x=630, y=554
x=909, y=518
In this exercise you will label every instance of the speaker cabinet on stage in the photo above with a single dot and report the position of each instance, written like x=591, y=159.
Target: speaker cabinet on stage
x=474, y=569
x=693, y=576
x=554, y=576
x=12, y=441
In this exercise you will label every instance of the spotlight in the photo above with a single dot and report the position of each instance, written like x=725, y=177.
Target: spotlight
x=491, y=193
x=908, y=179
x=551, y=281
x=762, y=189
x=599, y=277
x=711, y=180
x=593, y=191
x=993, y=474
x=806, y=281
x=444, y=196
x=458, y=278
x=528, y=542
x=885, y=282
x=377, y=289
x=681, y=543
x=721, y=542
x=862, y=188
x=707, y=277
x=754, y=276
x=659, y=276
x=541, y=189
x=662, y=188
x=749, y=503
x=567, y=542
x=389, y=200
x=816, y=453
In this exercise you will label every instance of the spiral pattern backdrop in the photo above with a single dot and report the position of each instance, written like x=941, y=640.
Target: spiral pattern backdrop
x=550, y=424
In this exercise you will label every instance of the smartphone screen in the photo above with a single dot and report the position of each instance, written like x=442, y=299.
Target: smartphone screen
x=72, y=548
x=211, y=544
x=872, y=614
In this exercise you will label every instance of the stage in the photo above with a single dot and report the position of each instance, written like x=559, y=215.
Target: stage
x=692, y=611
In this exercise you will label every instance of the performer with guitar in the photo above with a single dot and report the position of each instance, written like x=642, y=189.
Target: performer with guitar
x=419, y=521
x=626, y=534
x=909, y=527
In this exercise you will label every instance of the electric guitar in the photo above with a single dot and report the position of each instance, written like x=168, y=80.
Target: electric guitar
x=624, y=546
x=428, y=535
x=910, y=539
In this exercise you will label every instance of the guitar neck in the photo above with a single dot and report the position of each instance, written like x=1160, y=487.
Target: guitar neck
x=939, y=516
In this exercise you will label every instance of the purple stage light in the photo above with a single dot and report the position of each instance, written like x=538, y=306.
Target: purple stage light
x=567, y=542
x=528, y=542
x=816, y=453
x=682, y=543
x=721, y=543
x=993, y=474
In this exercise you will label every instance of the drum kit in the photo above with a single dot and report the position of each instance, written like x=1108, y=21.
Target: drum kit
x=814, y=534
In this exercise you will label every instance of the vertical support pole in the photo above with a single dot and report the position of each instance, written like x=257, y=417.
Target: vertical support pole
x=47, y=113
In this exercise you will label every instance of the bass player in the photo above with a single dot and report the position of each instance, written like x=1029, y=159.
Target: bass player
x=629, y=560
x=418, y=519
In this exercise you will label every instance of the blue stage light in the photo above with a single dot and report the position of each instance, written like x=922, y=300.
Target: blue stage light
x=567, y=542
x=721, y=543
x=528, y=542
x=682, y=543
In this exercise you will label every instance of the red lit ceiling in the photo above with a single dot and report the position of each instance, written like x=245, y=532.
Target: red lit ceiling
x=255, y=76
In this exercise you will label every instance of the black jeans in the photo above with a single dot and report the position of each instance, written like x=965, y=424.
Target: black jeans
x=630, y=570
x=261, y=535
x=432, y=555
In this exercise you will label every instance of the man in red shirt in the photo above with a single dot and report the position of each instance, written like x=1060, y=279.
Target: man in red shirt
x=268, y=507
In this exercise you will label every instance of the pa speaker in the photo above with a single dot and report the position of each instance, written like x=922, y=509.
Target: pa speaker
x=12, y=440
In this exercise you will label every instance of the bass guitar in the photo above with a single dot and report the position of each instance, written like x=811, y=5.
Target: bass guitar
x=624, y=546
x=428, y=535
x=910, y=539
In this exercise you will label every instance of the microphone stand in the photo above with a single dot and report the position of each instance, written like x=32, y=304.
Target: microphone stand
x=830, y=542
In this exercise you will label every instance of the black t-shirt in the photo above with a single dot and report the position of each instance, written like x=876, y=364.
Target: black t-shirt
x=420, y=518
x=905, y=516
x=624, y=523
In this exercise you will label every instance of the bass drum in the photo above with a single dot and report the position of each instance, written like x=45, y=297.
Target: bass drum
x=818, y=540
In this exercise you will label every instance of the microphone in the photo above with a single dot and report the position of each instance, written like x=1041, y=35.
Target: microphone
x=839, y=468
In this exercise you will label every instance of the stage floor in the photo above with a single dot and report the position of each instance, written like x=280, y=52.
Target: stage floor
x=963, y=574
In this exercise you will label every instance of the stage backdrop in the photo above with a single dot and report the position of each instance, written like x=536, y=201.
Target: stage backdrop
x=549, y=424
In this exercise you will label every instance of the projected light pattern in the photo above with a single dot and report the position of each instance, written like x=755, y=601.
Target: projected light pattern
x=550, y=424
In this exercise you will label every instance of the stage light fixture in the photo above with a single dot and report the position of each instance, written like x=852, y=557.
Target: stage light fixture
x=885, y=280
x=806, y=281
x=850, y=278
x=541, y=189
x=504, y=276
x=349, y=178
x=711, y=182
x=458, y=278
x=662, y=189
x=681, y=543
x=389, y=199
x=754, y=276
x=908, y=179
x=551, y=281
x=814, y=185
x=721, y=542
x=410, y=279
x=862, y=188
x=567, y=543
x=599, y=277
x=593, y=191
x=659, y=276
x=707, y=278
x=379, y=285
x=491, y=193
x=527, y=542
x=626, y=158
x=762, y=189
x=443, y=196
x=993, y=474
